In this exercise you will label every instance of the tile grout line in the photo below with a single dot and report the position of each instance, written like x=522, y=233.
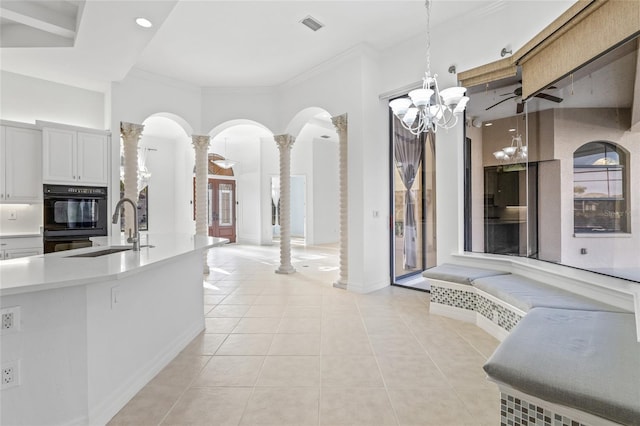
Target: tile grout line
x=375, y=357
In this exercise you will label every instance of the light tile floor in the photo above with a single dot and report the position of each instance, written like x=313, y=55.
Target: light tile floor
x=293, y=350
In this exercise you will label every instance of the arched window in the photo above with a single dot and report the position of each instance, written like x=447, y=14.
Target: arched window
x=600, y=189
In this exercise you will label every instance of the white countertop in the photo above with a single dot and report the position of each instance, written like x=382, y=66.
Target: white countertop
x=58, y=270
x=25, y=235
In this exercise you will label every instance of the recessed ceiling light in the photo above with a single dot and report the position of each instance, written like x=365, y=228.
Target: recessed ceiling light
x=488, y=124
x=144, y=22
x=512, y=130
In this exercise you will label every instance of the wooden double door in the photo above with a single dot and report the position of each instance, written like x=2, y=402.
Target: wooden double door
x=221, y=208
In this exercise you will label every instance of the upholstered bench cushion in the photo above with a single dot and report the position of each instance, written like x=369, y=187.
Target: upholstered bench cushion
x=525, y=294
x=587, y=360
x=459, y=274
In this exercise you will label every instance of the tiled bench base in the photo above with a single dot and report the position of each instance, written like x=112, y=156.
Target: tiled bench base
x=519, y=409
x=466, y=303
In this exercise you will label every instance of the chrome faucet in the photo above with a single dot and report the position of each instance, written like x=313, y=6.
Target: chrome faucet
x=135, y=239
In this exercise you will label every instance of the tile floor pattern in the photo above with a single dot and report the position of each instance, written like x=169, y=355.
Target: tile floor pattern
x=293, y=350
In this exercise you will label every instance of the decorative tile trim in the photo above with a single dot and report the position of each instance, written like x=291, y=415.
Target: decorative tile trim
x=504, y=317
x=453, y=297
x=518, y=412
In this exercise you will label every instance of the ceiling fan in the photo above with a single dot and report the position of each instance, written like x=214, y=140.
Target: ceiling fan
x=520, y=105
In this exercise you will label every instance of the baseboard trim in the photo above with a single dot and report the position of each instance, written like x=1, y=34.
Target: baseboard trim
x=103, y=412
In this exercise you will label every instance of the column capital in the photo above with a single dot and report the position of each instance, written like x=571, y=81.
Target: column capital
x=200, y=141
x=284, y=141
x=340, y=122
x=131, y=130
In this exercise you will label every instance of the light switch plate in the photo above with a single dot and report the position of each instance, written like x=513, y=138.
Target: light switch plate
x=13, y=215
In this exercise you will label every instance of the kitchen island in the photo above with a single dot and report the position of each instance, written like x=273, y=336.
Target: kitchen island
x=90, y=332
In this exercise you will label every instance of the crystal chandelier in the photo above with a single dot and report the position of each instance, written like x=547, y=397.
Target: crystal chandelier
x=428, y=108
x=515, y=152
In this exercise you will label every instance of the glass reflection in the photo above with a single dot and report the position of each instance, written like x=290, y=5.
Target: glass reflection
x=574, y=198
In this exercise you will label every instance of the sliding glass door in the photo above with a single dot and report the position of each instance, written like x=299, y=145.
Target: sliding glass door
x=413, y=239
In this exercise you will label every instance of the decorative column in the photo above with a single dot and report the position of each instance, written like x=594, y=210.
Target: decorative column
x=285, y=143
x=341, y=124
x=131, y=134
x=201, y=146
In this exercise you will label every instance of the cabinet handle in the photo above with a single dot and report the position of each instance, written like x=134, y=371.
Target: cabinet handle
x=8, y=195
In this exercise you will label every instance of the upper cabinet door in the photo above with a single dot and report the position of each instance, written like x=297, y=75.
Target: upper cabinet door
x=23, y=171
x=59, y=156
x=93, y=156
x=75, y=157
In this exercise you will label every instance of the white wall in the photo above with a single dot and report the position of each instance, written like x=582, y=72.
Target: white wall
x=573, y=128
x=185, y=158
x=269, y=167
x=248, y=177
x=28, y=219
x=26, y=99
x=326, y=192
x=220, y=105
x=302, y=198
x=162, y=185
x=298, y=206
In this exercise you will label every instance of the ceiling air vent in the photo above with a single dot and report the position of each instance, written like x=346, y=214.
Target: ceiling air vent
x=312, y=23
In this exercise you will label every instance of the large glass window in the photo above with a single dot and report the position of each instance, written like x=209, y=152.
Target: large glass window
x=599, y=195
x=567, y=194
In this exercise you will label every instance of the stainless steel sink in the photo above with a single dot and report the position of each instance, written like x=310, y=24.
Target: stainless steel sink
x=102, y=252
x=106, y=251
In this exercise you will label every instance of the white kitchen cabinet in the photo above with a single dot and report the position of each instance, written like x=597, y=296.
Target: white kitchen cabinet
x=75, y=157
x=21, y=163
x=13, y=248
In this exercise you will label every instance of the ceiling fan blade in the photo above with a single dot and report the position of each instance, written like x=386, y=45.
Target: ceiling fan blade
x=504, y=100
x=519, y=107
x=549, y=97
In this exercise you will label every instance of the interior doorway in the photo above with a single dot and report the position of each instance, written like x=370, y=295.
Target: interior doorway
x=221, y=208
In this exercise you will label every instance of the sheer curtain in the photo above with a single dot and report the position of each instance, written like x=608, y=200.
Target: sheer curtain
x=408, y=152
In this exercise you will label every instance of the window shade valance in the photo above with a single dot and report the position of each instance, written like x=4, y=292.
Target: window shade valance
x=493, y=71
x=586, y=30
x=597, y=28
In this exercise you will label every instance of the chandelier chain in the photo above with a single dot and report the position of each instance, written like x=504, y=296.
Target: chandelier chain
x=427, y=5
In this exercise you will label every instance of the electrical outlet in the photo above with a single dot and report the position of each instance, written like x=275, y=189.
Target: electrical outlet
x=10, y=320
x=10, y=375
x=115, y=296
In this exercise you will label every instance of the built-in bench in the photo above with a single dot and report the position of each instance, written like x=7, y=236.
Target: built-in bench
x=453, y=295
x=561, y=366
x=497, y=300
x=564, y=359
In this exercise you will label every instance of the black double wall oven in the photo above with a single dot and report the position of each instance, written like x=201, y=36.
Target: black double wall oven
x=73, y=214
